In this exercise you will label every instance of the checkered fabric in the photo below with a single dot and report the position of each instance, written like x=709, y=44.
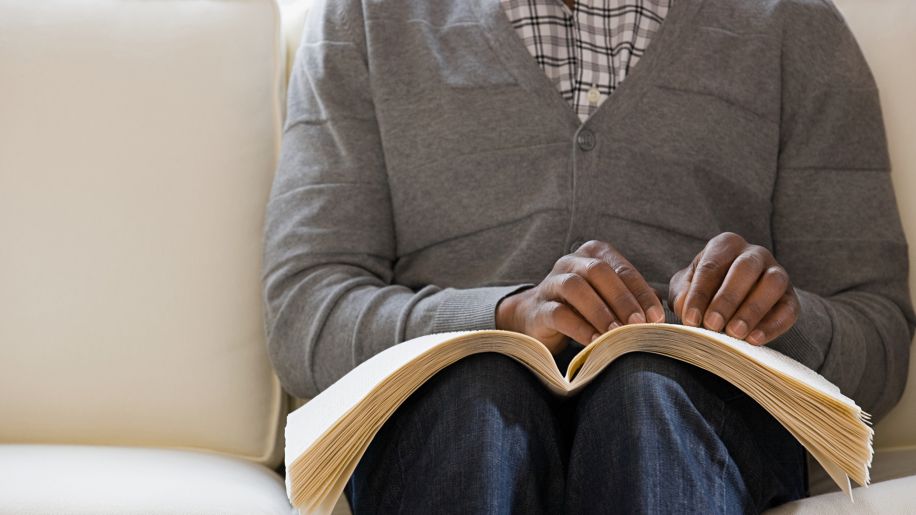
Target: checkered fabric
x=588, y=50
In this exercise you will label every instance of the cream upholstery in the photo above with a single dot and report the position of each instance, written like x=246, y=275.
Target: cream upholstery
x=294, y=13
x=137, y=147
x=889, y=497
x=89, y=480
x=888, y=464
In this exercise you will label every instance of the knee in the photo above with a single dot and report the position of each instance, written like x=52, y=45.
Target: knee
x=644, y=383
x=484, y=387
x=644, y=375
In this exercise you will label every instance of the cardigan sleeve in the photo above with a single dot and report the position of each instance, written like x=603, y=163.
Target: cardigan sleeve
x=835, y=222
x=329, y=248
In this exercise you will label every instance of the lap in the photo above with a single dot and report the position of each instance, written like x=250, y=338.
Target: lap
x=488, y=413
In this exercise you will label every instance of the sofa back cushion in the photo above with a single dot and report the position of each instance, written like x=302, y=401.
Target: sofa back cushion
x=137, y=146
x=886, y=31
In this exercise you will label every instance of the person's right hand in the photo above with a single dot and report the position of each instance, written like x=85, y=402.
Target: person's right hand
x=591, y=291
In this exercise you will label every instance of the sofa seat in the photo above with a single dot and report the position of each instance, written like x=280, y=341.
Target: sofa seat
x=895, y=496
x=888, y=464
x=47, y=479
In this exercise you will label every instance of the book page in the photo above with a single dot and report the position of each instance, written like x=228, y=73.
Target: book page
x=671, y=335
x=308, y=423
x=776, y=361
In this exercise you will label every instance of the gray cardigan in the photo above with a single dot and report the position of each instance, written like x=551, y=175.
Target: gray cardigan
x=429, y=168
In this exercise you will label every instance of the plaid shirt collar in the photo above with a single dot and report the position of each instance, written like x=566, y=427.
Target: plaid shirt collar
x=588, y=50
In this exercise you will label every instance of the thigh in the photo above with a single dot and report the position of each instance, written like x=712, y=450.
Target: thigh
x=672, y=438
x=772, y=464
x=478, y=437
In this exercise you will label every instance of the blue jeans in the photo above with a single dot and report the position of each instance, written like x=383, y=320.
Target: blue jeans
x=649, y=435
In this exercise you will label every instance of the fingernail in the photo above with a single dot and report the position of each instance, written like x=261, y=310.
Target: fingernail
x=637, y=318
x=693, y=317
x=738, y=329
x=614, y=325
x=594, y=337
x=756, y=337
x=656, y=314
x=714, y=321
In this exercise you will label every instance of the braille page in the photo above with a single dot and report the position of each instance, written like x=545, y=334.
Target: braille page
x=775, y=360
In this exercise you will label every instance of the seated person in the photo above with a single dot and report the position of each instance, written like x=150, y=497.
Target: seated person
x=562, y=168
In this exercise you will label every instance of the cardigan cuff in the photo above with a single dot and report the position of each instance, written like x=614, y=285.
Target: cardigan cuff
x=472, y=309
x=809, y=339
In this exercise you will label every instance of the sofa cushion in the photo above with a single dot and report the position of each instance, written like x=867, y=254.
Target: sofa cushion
x=51, y=479
x=137, y=147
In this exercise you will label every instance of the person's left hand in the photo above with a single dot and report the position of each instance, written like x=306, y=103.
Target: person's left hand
x=735, y=286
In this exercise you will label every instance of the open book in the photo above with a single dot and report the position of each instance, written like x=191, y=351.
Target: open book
x=326, y=438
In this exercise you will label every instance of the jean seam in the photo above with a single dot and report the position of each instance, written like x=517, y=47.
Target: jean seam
x=720, y=486
x=401, y=475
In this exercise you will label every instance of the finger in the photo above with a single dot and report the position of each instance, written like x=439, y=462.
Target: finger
x=710, y=271
x=744, y=273
x=578, y=293
x=561, y=318
x=645, y=295
x=677, y=289
x=611, y=289
x=620, y=284
x=779, y=320
x=638, y=301
x=766, y=293
x=688, y=277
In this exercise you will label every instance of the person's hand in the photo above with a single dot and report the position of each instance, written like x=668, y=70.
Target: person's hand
x=738, y=287
x=587, y=293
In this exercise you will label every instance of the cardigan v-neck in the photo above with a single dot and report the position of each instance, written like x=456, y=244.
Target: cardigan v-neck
x=517, y=60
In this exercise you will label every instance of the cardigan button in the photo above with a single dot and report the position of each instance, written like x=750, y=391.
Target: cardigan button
x=586, y=140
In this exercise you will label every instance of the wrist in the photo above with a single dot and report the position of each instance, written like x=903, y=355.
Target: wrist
x=505, y=312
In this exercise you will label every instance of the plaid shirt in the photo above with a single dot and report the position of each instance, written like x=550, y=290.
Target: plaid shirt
x=586, y=51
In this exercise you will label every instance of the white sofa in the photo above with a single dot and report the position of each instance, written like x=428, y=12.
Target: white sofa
x=137, y=144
